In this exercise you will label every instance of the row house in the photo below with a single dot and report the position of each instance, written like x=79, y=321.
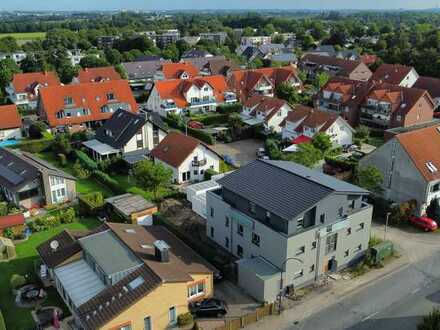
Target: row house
x=24, y=88
x=305, y=122
x=395, y=74
x=264, y=81
x=196, y=95
x=389, y=106
x=80, y=106
x=269, y=212
x=91, y=75
x=10, y=123
x=313, y=64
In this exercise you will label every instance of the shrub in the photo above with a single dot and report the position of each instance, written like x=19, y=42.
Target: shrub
x=45, y=223
x=79, y=171
x=8, y=233
x=229, y=108
x=431, y=321
x=209, y=173
x=17, y=281
x=86, y=161
x=36, y=130
x=111, y=183
x=17, y=231
x=184, y=319
x=201, y=135
x=214, y=119
x=62, y=160
x=68, y=216
x=91, y=204
x=4, y=209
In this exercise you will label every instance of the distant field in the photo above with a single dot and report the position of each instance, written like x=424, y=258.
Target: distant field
x=25, y=36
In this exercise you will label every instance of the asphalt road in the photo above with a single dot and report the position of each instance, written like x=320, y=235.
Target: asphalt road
x=397, y=302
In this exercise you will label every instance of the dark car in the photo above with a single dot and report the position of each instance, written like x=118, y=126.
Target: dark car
x=209, y=308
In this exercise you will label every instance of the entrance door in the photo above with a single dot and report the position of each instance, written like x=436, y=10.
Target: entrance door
x=332, y=265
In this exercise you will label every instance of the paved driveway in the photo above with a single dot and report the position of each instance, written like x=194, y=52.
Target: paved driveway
x=242, y=152
x=239, y=302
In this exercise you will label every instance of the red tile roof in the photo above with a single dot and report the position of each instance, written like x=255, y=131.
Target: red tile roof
x=10, y=118
x=301, y=139
x=175, y=70
x=310, y=117
x=27, y=82
x=353, y=91
x=174, y=89
x=368, y=59
x=432, y=85
x=391, y=73
x=90, y=96
x=268, y=105
x=346, y=67
x=11, y=220
x=88, y=75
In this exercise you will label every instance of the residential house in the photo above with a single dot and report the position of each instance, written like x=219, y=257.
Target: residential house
x=125, y=276
x=369, y=59
x=141, y=75
x=268, y=212
x=30, y=182
x=25, y=87
x=167, y=38
x=75, y=56
x=130, y=135
x=262, y=52
x=96, y=75
x=17, y=56
x=186, y=156
x=267, y=111
x=148, y=58
x=218, y=37
x=215, y=67
x=262, y=81
x=183, y=70
x=410, y=165
x=106, y=41
x=388, y=106
x=10, y=123
x=80, y=106
x=329, y=50
x=255, y=40
x=201, y=62
x=10, y=221
x=432, y=85
x=307, y=122
x=196, y=95
x=343, y=96
x=395, y=74
x=195, y=53
x=314, y=64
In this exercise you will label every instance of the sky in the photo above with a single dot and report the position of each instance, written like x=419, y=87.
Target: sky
x=212, y=4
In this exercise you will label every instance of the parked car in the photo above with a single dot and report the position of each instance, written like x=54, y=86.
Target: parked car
x=425, y=223
x=195, y=124
x=211, y=307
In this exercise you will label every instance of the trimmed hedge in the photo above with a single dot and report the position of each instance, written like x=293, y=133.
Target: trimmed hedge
x=111, y=183
x=91, y=203
x=229, y=108
x=33, y=146
x=215, y=119
x=202, y=136
x=86, y=161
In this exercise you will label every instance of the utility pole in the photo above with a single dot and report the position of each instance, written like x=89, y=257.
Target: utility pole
x=386, y=226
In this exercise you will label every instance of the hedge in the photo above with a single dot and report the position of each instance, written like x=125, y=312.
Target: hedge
x=229, y=108
x=214, y=119
x=33, y=146
x=91, y=203
x=201, y=135
x=111, y=183
x=86, y=161
x=343, y=164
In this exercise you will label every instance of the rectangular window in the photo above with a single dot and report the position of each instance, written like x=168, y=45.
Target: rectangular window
x=140, y=144
x=313, y=245
x=240, y=230
x=239, y=250
x=322, y=218
x=298, y=274
x=196, y=290
x=110, y=96
x=312, y=268
x=196, y=172
x=212, y=232
x=172, y=315
x=435, y=187
x=301, y=250
x=68, y=100
x=255, y=239
x=227, y=242
x=211, y=212
x=300, y=223
x=226, y=221
x=346, y=253
x=252, y=208
x=125, y=327
x=147, y=323
x=331, y=243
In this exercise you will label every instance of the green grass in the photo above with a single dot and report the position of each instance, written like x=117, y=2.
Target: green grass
x=376, y=141
x=25, y=36
x=20, y=318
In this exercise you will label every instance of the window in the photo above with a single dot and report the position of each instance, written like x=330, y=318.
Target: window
x=298, y=274
x=211, y=212
x=226, y=221
x=435, y=187
x=358, y=248
x=346, y=253
x=195, y=290
x=331, y=243
x=110, y=96
x=240, y=230
x=206, y=89
x=348, y=231
x=227, y=242
x=300, y=223
x=172, y=315
x=68, y=100
x=140, y=143
x=312, y=268
x=322, y=218
x=431, y=167
x=239, y=250
x=313, y=245
x=252, y=208
x=125, y=327
x=255, y=239
x=300, y=251
x=54, y=181
x=147, y=323
x=267, y=215
x=196, y=172
x=361, y=226
x=212, y=232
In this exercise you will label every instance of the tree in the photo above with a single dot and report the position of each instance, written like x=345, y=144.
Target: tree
x=66, y=72
x=171, y=53
x=431, y=321
x=306, y=155
x=235, y=123
x=322, y=142
x=8, y=44
x=120, y=69
x=288, y=93
x=34, y=63
x=36, y=129
x=61, y=144
x=362, y=133
x=370, y=178
x=321, y=79
x=92, y=61
x=7, y=70
x=152, y=177
x=113, y=56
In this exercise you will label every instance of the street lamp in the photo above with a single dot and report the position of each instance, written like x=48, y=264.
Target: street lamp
x=281, y=279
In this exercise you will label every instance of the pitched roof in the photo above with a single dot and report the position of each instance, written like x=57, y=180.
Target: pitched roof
x=175, y=70
x=391, y=73
x=11, y=220
x=91, y=96
x=10, y=118
x=432, y=85
x=193, y=53
x=346, y=67
x=220, y=66
x=369, y=59
x=15, y=171
x=423, y=147
x=88, y=75
x=284, y=188
x=142, y=69
x=311, y=118
x=265, y=104
x=174, y=89
x=200, y=62
x=353, y=91
x=26, y=82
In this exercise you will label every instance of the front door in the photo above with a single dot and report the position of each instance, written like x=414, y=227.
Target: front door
x=332, y=265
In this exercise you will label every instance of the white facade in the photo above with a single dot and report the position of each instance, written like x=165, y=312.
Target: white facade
x=256, y=41
x=410, y=79
x=271, y=122
x=22, y=98
x=75, y=56
x=147, y=138
x=10, y=134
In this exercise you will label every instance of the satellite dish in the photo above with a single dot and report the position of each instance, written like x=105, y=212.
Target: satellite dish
x=54, y=245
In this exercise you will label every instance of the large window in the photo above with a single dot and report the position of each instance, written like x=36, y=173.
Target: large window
x=256, y=239
x=147, y=323
x=172, y=315
x=55, y=180
x=331, y=243
x=196, y=290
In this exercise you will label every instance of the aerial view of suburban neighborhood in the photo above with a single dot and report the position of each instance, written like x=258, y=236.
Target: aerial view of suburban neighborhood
x=257, y=165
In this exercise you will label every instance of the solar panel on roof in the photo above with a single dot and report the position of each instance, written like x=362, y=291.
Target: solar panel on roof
x=10, y=176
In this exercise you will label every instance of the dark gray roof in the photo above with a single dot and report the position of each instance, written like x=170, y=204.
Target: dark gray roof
x=145, y=58
x=200, y=62
x=142, y=69
x=284, y=188
x=194, y=53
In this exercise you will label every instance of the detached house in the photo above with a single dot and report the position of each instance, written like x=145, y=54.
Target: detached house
x=264, y=81
x=215, y=67
x=25, y=87
x=132, y=135
x=313, y=64
x=200, y=94
x=90, y=75
x=125, y=276
x=80, y=106
x=30, y=182
x=389, y=106
x=410, y=164
x=186, y=156
x=268, y=111
x=395, y=74
x=10, y=123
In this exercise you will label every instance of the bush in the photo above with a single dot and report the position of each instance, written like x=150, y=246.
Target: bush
x=111, y=183
x=91, y=204
x=33, y=146
x=68, y=216
x=201, y=135
x=17, y=231
x=8, y=233
x=37, y=129
x=62, y=160
x=4, y=209
x=79, y=171
x=184, y=319
x=343, y=164
x=209, y=173
x=229, y=108
x=45, y=223
x=431, y=321
x=214, y=119
x=17, y=281
x=86, y=161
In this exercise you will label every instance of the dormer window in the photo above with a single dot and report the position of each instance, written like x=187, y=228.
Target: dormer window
x=108, y=133
x=110, y=96
x=68, y=100
x=431, y=167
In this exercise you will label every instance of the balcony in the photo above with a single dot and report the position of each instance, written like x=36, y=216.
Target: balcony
x=199, y=162
x=168, y=106
x=230, y=97
x=263, y=88
x=203, y=102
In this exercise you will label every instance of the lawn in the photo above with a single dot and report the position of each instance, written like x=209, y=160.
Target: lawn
x=20, y=318
x=25, y=36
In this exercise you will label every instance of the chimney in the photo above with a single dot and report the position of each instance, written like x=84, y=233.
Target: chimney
x=161, y=251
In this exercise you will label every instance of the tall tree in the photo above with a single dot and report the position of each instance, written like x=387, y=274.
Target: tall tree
x=370, y=178
x=152, y=177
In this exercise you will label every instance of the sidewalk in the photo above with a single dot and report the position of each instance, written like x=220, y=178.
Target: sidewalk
x=322, y=298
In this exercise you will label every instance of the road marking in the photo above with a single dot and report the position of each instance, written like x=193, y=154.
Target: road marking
x=415, y=291
x=369, y=316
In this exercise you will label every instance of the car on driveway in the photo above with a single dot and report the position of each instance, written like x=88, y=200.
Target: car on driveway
x=195, y=124
x=209, y=308
x=425, y=223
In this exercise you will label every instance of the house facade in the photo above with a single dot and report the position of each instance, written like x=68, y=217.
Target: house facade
x=186, y=156
x=10, y=123
x=265, y=224
x=142, y=74
x=145, y=283
x=396, y=74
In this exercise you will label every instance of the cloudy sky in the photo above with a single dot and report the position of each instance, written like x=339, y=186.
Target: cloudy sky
x=212, y=4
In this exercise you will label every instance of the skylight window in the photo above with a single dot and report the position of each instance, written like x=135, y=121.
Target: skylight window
x=431, y=167
x=130, y=231
x=138, y=281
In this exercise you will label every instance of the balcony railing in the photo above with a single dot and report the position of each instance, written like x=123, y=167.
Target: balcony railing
x=198, y=163
x=168, y=106
x=202, y=102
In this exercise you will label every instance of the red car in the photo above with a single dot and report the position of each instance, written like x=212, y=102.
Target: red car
x=195, y=124
x=427, y=224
